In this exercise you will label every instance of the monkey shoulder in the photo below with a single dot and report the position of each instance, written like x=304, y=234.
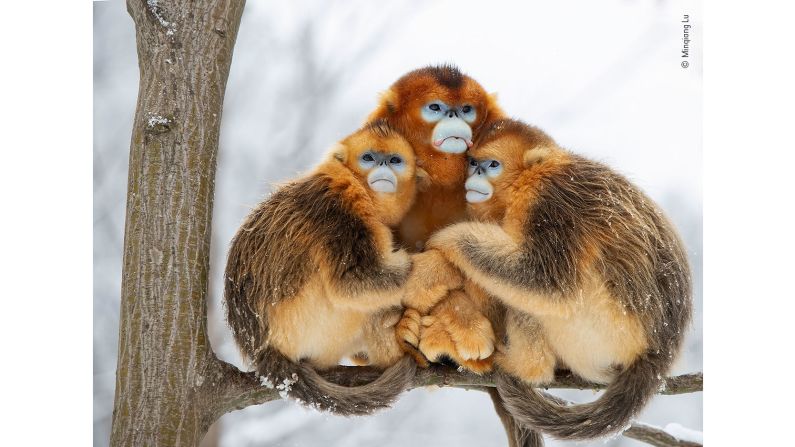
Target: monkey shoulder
x=588, y=217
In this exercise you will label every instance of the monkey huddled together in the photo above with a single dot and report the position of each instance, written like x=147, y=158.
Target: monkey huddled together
x=444, y=230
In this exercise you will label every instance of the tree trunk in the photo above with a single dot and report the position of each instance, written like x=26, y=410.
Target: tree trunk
x=170, y=387
x=165, y=365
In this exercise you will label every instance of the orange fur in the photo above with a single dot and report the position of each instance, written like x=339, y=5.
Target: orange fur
x=588, y=273
x=442, y=201
x=441, y=196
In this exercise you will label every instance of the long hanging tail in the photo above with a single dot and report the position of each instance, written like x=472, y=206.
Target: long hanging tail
x=611, y=412
x=518, y=435
x=301, y=382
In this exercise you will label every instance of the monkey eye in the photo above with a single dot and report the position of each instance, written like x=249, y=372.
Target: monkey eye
x=466, y=109
x=494, y=164
x=368, y=157
x=473, y=162
x=395, y=160
x=435, y=107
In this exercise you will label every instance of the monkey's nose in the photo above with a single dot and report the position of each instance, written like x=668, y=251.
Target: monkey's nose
x=451, y=113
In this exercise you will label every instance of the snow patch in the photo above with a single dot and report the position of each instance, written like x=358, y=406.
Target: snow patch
x=283, y=388
x=266, y=382
x=286, y=385
x=684, y=433
x=156, y=11
x=157, y=120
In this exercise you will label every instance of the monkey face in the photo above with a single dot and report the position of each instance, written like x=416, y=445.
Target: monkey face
x=506, y=148
x=382, y=159
x=480, y=173
x=382, y=169
x=492, y=168
x=438, y=107
x=451, y=125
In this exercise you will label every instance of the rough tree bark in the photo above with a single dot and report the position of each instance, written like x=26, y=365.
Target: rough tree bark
x=170, y=387
x=166, y=370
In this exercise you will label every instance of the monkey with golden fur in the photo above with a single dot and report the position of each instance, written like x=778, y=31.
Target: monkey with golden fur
x=441, y=111
x=313, y=275
x=577, y=269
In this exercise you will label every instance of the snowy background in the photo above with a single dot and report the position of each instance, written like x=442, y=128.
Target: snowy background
x=603, y=78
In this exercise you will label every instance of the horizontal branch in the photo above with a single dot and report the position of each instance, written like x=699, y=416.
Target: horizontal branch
x=241, y=389
x=656, y=436
x=246, y=389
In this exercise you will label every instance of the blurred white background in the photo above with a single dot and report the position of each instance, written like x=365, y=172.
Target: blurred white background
x=603, y=78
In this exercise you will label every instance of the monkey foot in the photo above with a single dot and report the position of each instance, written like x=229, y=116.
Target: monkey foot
x=437, y=345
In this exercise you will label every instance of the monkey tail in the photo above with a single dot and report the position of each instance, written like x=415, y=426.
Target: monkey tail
x=302, y=383
x=610, y=413
x=518, y=435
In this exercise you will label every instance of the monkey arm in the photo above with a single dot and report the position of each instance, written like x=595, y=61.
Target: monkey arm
x=369, y=285
x=432, y=278
x=494, y=260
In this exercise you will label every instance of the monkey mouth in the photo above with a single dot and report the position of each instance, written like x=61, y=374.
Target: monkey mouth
x=475, y=196
x=440, y=141
x=382, y=185
x=479, y=192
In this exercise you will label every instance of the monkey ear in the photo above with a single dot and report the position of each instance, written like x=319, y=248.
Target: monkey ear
x=340, y=153
x=492, y=105
x=536, y=155
x=387, y=105
x=423, y=179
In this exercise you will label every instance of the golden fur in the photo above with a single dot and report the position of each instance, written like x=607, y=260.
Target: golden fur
x=440, y=202
x=313, y=276
x=586, y=273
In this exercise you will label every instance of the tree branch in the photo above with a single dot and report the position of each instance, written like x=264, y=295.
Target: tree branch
x=656, y=436
x=244, y=388
x=240, y=389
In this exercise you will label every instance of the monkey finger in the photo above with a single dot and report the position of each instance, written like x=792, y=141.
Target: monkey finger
x=412, y=314
x=408, y=328
x=428, y=320
x=406, y=333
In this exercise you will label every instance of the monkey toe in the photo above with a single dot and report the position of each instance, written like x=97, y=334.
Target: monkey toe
x=436, y=343
x=474, y=346
x=408, y=328
x=481, y=366
x=475, y=341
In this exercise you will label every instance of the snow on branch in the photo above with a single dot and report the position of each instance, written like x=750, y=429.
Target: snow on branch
x=664, y=437
x=244, y=389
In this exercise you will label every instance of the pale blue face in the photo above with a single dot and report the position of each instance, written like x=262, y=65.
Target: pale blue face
x=382, y=170
x=451, y=132
x=491, y=168
x=370, y=159
x=478, y=187
x=436, y=110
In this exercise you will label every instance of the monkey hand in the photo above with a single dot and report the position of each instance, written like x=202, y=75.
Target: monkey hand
x=432, y=277
x=407, y=332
